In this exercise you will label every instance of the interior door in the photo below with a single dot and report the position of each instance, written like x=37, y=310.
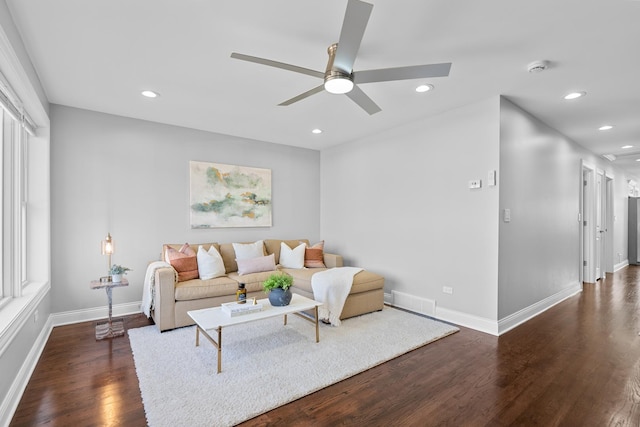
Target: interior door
x=599, y=248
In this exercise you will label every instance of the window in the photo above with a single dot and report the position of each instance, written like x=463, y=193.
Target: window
x=14, y=213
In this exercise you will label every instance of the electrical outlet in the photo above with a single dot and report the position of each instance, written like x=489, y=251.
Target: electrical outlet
x=475, y=183
x=447, y=290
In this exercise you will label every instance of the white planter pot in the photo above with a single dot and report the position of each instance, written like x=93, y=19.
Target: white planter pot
x=116, y=278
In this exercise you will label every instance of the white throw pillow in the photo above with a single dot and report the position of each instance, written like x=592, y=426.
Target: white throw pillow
x=210, y=264
x=292, y=258
x=248, y=250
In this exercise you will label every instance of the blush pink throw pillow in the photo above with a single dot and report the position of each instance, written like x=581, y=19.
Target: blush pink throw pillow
x=256, y=265
x=184, y=261
x=314, y=256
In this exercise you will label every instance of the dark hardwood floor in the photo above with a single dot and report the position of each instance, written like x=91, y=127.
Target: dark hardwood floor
x=577, y=364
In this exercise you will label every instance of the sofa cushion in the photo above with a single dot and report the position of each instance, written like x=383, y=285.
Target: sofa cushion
x=314, y=256
x=292, y=258
x=273, y=246
x=362, y=282
x=248, y=250
x=183, y=261
x=253, y=281
x=229, y=256
x=210, y=264
x=256, y=265
x=197, y=288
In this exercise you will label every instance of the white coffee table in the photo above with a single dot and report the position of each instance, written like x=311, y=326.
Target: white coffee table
x=211, y=321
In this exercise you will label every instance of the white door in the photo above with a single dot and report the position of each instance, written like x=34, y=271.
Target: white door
x=599, y=247
x=586, y=226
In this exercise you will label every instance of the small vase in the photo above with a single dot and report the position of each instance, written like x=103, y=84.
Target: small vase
x=278, y=297
x=117, y=278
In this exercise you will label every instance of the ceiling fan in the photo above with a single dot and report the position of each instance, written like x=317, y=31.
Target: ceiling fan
x=339, y=77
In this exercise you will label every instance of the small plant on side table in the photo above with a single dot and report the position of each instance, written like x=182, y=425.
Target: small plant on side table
x=117, y=271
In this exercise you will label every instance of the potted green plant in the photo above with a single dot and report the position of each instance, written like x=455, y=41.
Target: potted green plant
x=277, y=286
x=117, y=271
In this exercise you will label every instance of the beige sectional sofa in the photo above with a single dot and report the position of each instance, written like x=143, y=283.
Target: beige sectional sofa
x=172, y=299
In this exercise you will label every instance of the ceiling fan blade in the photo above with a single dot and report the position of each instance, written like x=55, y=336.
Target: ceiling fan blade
x=361, y=98
x=353, y=26
x=402, y=73
x=277, y=64
x=302, y=96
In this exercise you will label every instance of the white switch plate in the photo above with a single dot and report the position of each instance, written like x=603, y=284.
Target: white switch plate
x=507, y=215
x=491, y=178
x=447, y=290
x=475, y=183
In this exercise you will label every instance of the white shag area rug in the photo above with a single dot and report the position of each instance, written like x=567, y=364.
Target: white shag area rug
x=264, y=364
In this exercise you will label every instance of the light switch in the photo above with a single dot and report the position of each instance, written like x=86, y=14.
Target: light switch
x=507, y=215
x=491, y=178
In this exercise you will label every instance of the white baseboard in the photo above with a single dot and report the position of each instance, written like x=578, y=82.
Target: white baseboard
x=12, y=399
x=388, y=298
x=620, y=265
x=533, y=310
x=482, y=324
x=478, y=323
x=96, y=313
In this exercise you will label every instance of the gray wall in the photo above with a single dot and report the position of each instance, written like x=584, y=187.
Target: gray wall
x=398, y=203
x=10, y=30
x=131, y=178
x=540, y=182
x=17, y=319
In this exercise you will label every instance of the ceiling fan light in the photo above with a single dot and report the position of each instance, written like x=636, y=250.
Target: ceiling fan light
x=338, y=84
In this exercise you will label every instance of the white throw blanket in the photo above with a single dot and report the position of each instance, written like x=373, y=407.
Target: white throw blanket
x=148, y=294
x=332, y=288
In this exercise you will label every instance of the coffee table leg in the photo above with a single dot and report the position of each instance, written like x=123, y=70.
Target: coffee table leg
x=197, y=336
x=285, y=320
x=219, y=349
x=317, y=328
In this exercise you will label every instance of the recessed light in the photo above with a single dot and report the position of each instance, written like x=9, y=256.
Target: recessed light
x=637, y=160
x=605, y=127
x=574, y=95
x=624, y=147
x=424, y=88
x=316, y=131
x=150, y=94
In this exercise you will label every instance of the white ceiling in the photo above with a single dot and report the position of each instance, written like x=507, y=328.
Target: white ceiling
x=99, y=55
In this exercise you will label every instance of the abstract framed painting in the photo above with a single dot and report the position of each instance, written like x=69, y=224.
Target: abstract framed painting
x=229, y=196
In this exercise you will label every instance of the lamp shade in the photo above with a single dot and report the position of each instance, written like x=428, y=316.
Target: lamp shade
x=108, y=245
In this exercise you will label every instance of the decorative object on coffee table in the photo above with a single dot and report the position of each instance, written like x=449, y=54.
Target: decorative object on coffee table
x=117, y=271
x=277, y=286
x=112, y=327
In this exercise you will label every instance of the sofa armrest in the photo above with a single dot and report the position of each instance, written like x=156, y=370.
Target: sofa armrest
x=332, y=260
x=165, y=298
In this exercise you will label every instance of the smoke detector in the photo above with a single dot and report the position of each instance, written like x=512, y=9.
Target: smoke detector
x=537, y=66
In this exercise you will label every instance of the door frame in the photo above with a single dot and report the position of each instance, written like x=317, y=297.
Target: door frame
x=586, y=217
x=609, y=261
